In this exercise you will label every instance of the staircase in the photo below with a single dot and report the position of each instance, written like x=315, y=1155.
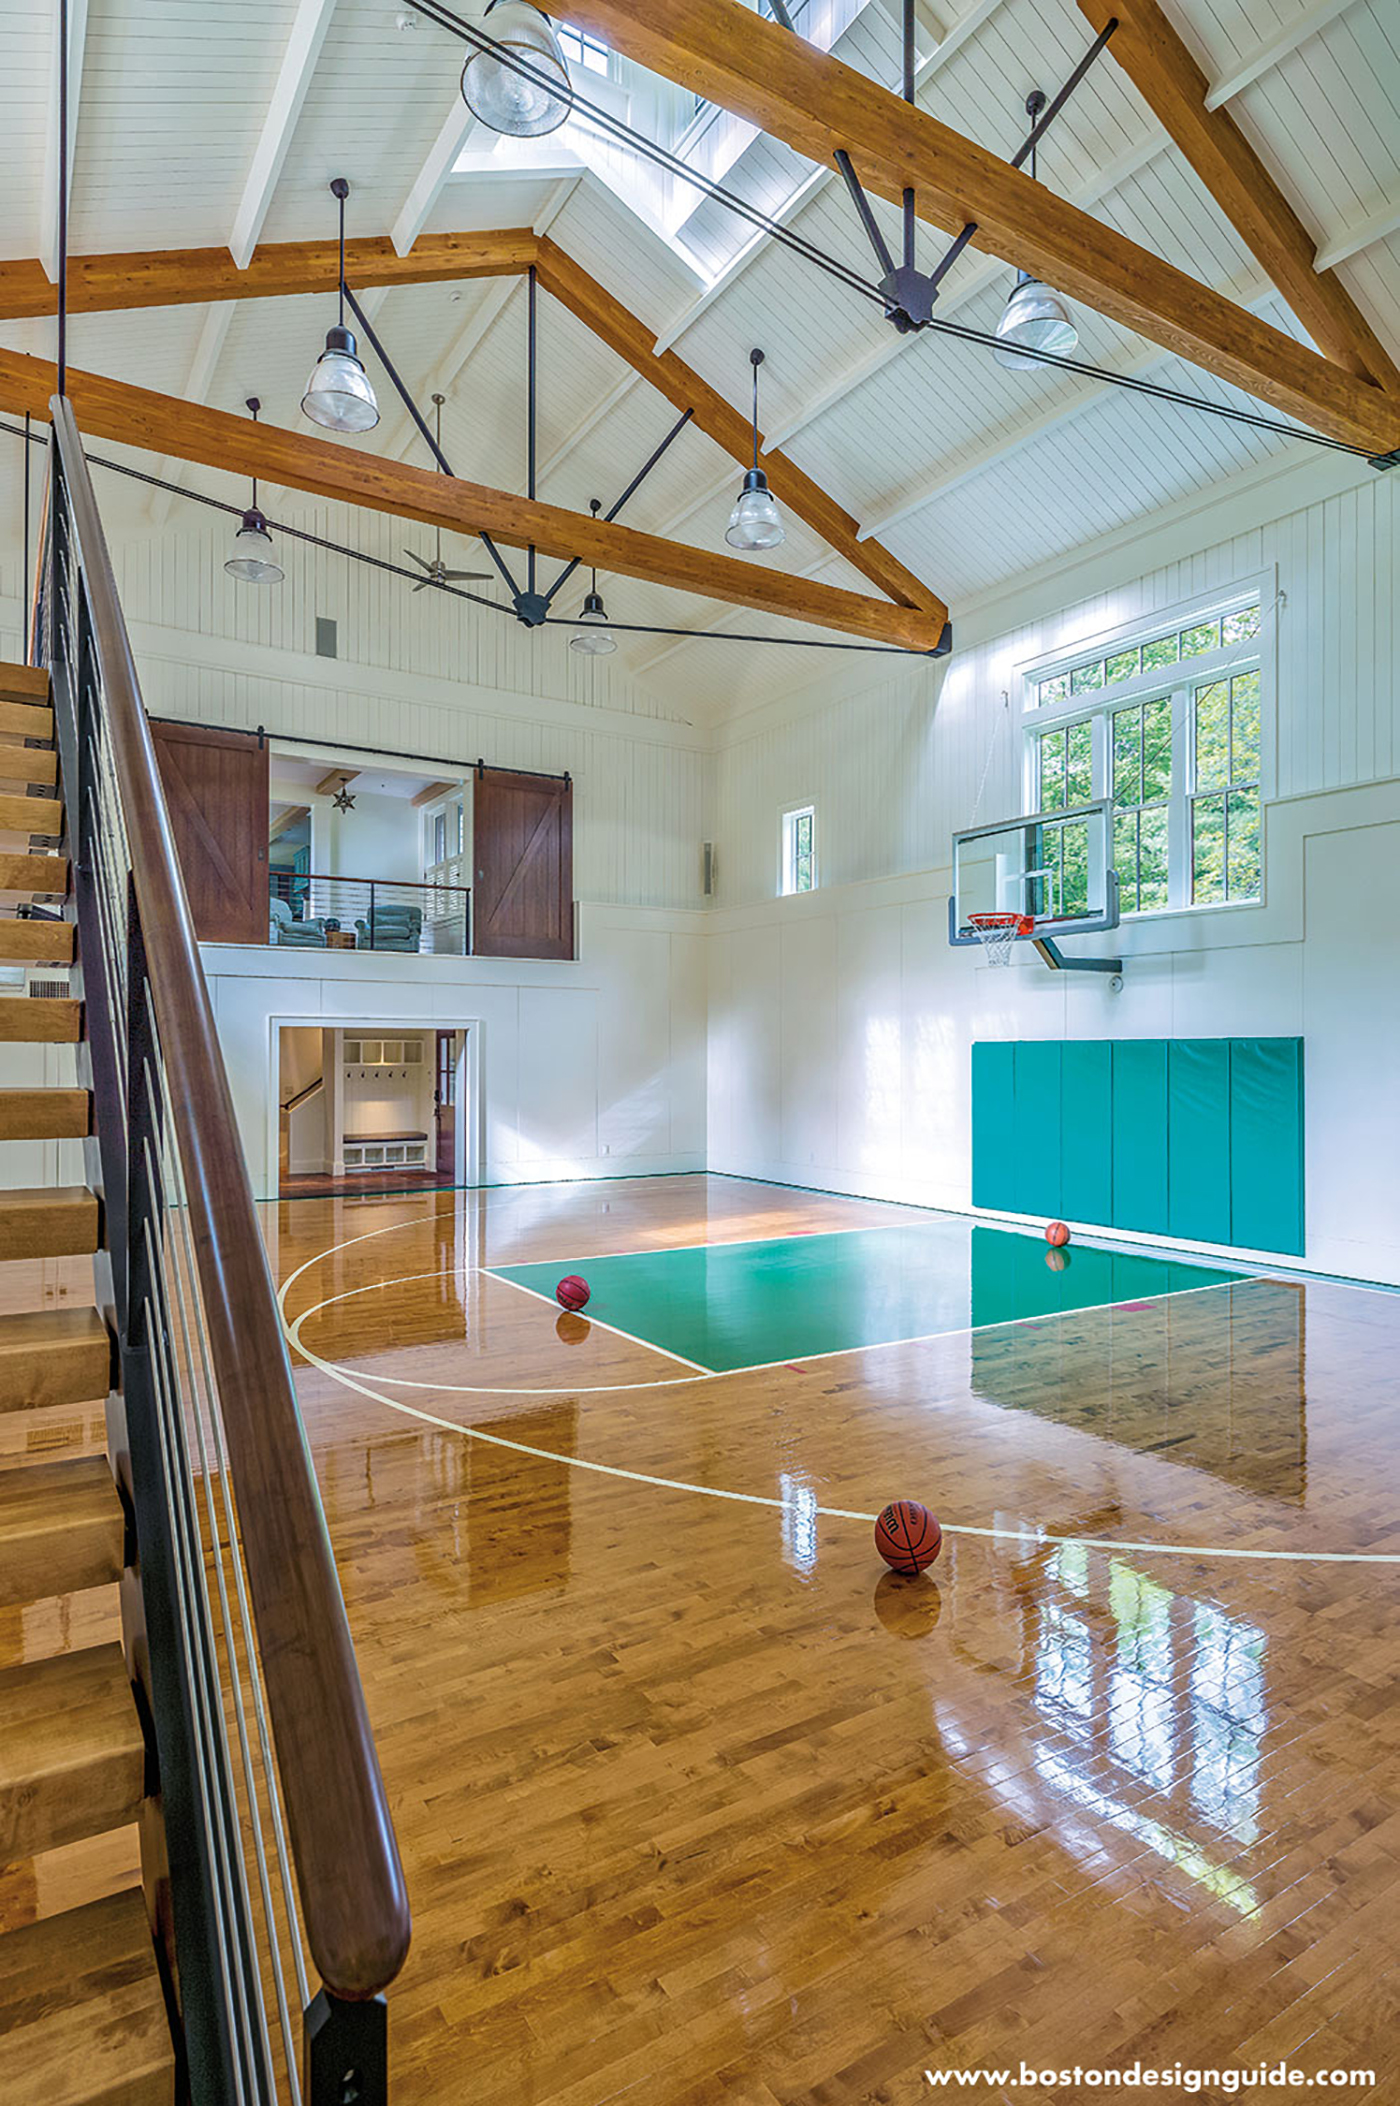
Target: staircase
x=83, y=2018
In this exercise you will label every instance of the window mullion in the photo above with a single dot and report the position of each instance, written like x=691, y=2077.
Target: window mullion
x=1179, y=820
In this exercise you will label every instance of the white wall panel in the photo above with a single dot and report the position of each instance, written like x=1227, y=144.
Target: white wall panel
x=841, y=1022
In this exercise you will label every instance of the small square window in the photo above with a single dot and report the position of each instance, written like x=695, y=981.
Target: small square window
x=799, y=865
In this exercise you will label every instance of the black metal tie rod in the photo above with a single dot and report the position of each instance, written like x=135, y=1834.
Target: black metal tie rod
x=909, y=293
x=413, y=410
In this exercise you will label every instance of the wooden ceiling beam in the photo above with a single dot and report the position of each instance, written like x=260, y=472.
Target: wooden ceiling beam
x=815, y=105
x=188, y=277
x=162, y=424
x=1161, y=68
x=174, y=277
x=631, y=339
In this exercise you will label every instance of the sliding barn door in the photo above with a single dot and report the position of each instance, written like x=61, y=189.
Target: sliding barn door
x=215, y=784
x=523, y=894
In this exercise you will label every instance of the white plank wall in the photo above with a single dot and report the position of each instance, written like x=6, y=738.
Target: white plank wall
x=894, y=769
x=425, y=675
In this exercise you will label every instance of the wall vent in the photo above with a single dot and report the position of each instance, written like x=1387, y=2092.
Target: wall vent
x=707, y=870
x=325, y=637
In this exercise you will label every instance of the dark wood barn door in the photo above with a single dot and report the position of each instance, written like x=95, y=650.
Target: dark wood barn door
x=523, y=894
x=215, y=784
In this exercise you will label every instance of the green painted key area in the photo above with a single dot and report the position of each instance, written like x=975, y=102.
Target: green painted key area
x=734, y=1305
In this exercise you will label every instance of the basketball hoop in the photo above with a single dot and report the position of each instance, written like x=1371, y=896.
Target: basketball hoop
x=997, y=932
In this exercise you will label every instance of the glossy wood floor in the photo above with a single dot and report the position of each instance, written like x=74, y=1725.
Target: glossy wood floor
x=697, y=1805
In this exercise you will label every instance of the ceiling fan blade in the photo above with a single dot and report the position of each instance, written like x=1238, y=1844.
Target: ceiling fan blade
x=414, y=557
x=466, y=574
x=423, y=584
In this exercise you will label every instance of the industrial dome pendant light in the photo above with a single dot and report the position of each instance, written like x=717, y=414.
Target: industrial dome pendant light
x=522, y=104
x=1034, y=318
x=597, y=640
x=253, y=560
x=755, y=522
x=338, y=394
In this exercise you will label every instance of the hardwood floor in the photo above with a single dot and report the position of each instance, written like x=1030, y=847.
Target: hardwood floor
x=698, y=1805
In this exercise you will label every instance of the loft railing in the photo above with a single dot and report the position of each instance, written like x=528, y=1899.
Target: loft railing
x=308, y=910
x=276, y=1824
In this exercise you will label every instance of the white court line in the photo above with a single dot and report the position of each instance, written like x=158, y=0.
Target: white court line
x=341, y=1375
x=755, y=1367
x=833, y=1513
x=550, y=1302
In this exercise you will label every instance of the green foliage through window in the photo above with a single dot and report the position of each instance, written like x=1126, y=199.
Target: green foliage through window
x=1225, y=814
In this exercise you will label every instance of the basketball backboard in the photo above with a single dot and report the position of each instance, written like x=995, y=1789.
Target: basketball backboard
x=1055, y=868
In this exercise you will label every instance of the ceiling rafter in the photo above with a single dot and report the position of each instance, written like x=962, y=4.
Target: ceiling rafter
x=1273, y=50
x=619, y=328
x=303, y=49
x=951, y=40
x=1062, y=408
x=988, y=271
x=1156, y=60
x=190, y=275
x=817, y=105
x=427, y=186
x=163, y=424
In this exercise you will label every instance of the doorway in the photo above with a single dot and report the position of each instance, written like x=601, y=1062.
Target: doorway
x=369, y=1108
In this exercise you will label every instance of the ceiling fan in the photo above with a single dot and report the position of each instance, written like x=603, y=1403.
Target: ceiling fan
x=437, y=571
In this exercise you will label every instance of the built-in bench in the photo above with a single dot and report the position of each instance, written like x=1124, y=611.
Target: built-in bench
x=384, y=1151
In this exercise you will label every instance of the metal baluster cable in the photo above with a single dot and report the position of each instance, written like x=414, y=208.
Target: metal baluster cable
x=160, y=1390
x=186, y=1300
x=210, y=1741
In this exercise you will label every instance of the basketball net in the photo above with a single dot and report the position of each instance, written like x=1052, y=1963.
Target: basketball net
x=997, y=933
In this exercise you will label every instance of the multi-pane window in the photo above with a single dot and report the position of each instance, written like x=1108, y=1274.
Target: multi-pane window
x=1169, y=729
x=581, y=49
x=1225, y=808
x=799, y=857
x=1142, y=788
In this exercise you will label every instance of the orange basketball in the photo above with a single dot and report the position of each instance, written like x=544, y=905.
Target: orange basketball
x=1057, y=1233
x=572, y=1291
x=908, y=1537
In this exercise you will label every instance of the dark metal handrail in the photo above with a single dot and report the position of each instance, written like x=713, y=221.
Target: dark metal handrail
x=349, y=1878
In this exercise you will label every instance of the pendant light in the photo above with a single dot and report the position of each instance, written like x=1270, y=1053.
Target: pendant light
x=597, y=639
x=505, y=96
x=253, y=560
x=755, y=522
x=338, y=394
x=1034, y=317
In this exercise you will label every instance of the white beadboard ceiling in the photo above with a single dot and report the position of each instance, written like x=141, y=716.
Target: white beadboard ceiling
x=969, y=474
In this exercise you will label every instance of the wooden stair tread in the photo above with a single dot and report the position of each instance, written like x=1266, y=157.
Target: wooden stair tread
x=25, y=720
x=24, y=683
x=27, y=763
x=31, y=815
x=61, y=1530
x=72, y=1759
x=82, y=2016
x=53, y=1356
x=37, y=942
x=42, y=1221
x=40, y=1020
x=47, y=875
x=43, y=1114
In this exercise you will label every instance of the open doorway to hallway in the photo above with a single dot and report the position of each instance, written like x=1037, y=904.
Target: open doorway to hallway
x=371, y=1107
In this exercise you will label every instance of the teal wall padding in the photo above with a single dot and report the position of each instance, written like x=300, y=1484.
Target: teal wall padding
x=993, y=1095
x=1266, y=1143
x=1139, y=1123
x=1198, y=1143
x=1038, y=1125
x=1196, y=1138
x=1086, y=1154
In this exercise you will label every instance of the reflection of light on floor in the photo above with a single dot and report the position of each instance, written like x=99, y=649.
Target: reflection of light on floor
x=1219, y=1880
x=799, y=1522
